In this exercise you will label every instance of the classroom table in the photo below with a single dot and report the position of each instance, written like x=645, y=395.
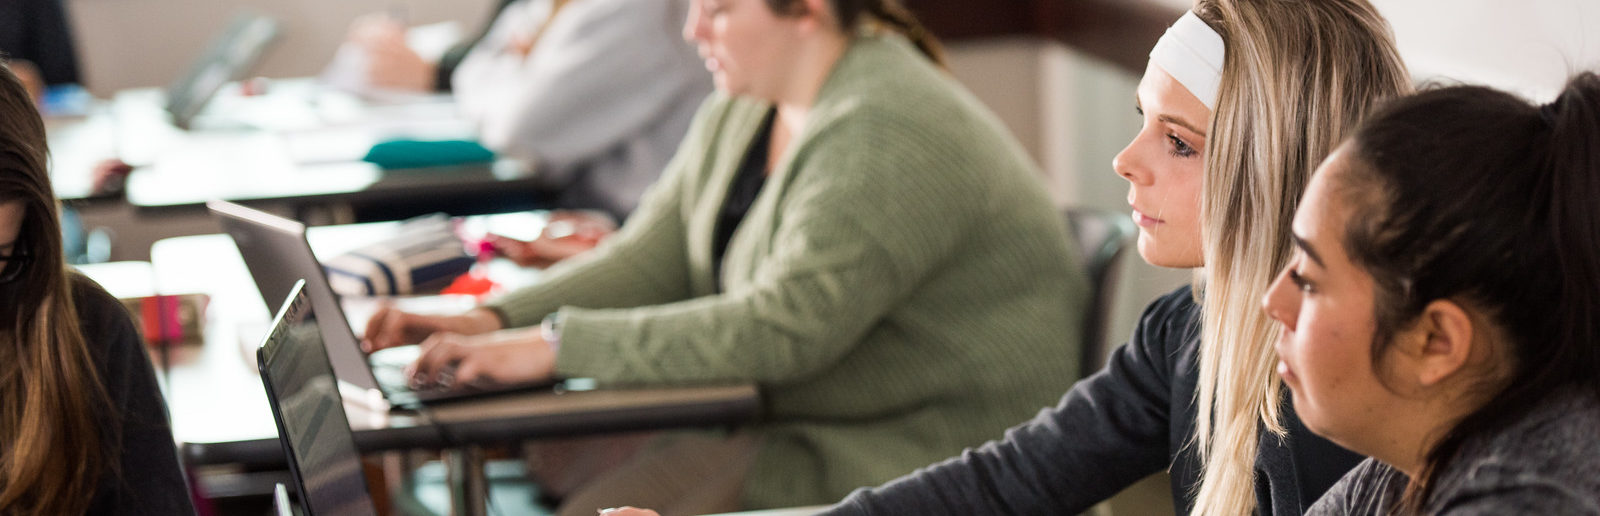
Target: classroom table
x=220, y=413
x=299, y=145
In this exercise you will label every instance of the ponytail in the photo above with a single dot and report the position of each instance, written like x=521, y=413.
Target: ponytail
x=887, y=12
x=896, y=16
x=1572, y=162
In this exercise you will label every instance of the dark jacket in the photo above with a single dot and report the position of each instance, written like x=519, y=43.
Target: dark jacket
x=1132, y=419
x=1545, y=462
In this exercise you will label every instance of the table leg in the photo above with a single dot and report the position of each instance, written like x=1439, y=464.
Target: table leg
x=469, y=490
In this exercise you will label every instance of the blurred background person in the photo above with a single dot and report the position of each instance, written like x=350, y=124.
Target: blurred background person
x=36, y=43
x=596, y=94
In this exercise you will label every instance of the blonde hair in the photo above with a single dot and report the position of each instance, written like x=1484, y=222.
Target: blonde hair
x=50, y=393
x=1297, y=78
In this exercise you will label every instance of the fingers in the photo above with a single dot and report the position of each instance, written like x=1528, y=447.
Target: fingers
x=389, y=327
x=627, y=511
x=373, y=338
x=507, y=246
x=472, y=371
x=521, y=252
x=383, y=329
x=451, y=359
x=441, y=355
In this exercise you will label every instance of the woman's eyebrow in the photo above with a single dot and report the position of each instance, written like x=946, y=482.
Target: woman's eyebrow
x=1181, y=123
x=1306, y=246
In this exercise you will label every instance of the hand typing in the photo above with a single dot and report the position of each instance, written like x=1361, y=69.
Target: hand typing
x=390, y=327
x=510, y=356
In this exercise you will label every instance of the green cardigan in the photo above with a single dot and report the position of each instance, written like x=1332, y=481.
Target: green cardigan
x=901, y=289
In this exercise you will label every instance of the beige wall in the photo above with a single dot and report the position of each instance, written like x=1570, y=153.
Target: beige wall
x=131, y=43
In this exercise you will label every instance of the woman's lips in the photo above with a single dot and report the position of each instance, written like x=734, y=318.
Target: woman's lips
x=1146, y=221
x=1286, y=372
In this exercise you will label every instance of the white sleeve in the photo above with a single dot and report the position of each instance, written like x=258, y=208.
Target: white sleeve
x=487, y=65
x=602, y=71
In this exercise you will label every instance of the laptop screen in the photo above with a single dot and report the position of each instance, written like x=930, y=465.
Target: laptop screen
x=312, y=426
x=275, y=251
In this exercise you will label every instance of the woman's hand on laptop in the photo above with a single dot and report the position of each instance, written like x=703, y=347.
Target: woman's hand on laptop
x=504, y=357
x=390, y=327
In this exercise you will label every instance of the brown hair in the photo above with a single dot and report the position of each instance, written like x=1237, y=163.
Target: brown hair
x=887, y=12
x=1297, y=78
x=1473, y=195
x=49, y=389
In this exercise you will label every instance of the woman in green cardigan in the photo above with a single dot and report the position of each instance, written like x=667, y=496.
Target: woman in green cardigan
x=843, y=225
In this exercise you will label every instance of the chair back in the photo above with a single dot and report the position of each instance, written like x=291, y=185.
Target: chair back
x=1103, y=237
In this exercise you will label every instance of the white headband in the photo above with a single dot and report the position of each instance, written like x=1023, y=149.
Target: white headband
x=1192, y=53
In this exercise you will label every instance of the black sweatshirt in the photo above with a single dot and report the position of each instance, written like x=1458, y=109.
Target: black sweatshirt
x=149, y=482
x=1132, y=419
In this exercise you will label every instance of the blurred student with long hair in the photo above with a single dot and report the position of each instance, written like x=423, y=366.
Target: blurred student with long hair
x=82, y=422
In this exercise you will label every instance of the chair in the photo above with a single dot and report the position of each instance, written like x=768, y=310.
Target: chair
x=1102, y=236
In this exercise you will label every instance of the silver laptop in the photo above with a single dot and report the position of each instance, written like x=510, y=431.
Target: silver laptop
x=227, y=58
x=323, y=459
x=276, y=252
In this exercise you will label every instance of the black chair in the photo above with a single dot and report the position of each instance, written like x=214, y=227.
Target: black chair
x=1103, y=237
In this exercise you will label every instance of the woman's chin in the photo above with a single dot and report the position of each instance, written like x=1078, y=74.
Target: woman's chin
x=1154, y=254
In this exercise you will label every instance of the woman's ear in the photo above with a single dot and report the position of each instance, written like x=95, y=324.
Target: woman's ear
x=1442, y=343
x=814, y=14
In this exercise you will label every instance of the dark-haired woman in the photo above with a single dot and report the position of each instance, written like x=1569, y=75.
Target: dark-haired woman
x=1439, y=314
x=843, y=225
x=83, y=428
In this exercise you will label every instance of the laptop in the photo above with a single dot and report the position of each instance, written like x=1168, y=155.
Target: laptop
x=323, y=460
x=276, y=252
x=227, y=58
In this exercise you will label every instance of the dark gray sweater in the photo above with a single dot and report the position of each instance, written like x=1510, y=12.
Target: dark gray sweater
x=1133, y=418
x=1547, y=463
x=145, y=478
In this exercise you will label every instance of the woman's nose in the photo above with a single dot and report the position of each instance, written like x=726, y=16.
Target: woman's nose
x=1280, y=302
x=1128, y=165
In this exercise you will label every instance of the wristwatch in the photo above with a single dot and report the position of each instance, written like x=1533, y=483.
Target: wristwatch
x=550, y=331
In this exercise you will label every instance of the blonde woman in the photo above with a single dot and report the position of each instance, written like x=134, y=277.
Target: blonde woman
x=83, y=428
x=1241, y=100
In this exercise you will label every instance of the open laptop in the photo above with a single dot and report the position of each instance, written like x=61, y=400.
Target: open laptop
x=227, y=58
x=276, y=252
x=312, y=426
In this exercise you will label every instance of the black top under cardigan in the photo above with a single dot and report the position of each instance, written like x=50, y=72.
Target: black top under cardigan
x=1134, y=418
